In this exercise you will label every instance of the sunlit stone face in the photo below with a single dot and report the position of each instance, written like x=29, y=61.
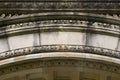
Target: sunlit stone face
x=75, y=38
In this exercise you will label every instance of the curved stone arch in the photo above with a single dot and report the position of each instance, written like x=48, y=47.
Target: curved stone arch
x=21, y=24
x=33, y=27
x=31, y=66
x=59, y=36
x=60, y=48
x=61, y=16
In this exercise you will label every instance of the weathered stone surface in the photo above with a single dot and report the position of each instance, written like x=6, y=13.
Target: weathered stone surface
x=102, y=41
x=23, y=41
x=4, y=45
x=59, y=40
x=63, y=38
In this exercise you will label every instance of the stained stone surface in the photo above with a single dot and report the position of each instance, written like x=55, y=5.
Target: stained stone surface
x=63, y=38
x=59, y=40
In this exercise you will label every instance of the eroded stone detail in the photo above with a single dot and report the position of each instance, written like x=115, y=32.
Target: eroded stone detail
x=61, y=5
x=10, y=16
x=86, y=25
x=60, y=48
x=22, y=17
x=69, y=22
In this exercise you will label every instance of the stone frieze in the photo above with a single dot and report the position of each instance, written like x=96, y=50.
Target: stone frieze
x=60, y=48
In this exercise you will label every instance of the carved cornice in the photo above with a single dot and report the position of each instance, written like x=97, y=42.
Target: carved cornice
x=23, y=23
x=14, y=19
x=60, y=48
x=60, y=25
x=61, y=63
x=65, y=23
x=99, y=6
x=11, y=23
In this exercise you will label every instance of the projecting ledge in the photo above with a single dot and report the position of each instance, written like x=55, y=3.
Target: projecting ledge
x=60, y=55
